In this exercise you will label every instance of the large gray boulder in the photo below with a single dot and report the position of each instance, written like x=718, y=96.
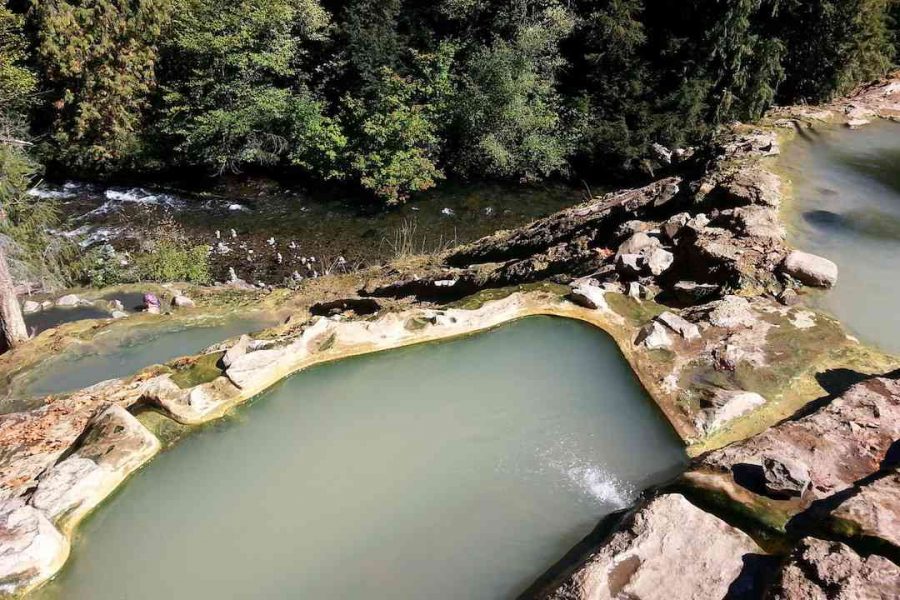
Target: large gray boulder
x=810, y=269
x=667, y=550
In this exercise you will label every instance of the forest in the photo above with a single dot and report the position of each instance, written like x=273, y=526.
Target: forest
x=390, y=97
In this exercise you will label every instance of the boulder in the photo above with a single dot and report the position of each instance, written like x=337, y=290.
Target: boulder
x=679, y=325
x=630, y=264
x=820, y=570
x=590, y=296
x=658, y=260
x=726, y=406
x=181, y=301
x=667, y=550
x=784, y=478
x=661, y=153
x=237, y=350
x=31, y=548
x=637, y=243
x=30, y=306
x=653, y=336
x=68, y=300
x=753, y=184
x=810, y=269
x=753, y=221
x=675, y=224
x=116, y=305
x=118, y=314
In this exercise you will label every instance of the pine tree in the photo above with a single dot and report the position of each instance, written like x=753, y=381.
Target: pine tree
x=96, y=61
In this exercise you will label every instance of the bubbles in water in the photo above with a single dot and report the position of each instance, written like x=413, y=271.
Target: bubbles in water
x=590, y=477
x=601, y=485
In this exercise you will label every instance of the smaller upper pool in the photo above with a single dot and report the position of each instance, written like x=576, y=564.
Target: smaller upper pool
x=846, y=207
x=127, y=351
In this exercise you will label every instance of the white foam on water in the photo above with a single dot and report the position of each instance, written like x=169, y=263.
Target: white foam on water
x=46, y=193
x=602, y=485
x=590, y=478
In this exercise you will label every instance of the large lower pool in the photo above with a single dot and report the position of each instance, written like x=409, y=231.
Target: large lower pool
x=454, y=470
x=846, y=207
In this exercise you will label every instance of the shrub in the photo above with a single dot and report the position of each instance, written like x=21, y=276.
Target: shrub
x=171, y=261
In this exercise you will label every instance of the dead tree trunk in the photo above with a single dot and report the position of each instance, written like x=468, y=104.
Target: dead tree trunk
x=12, y=325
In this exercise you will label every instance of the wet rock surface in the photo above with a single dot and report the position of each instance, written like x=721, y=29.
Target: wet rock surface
x=640, y=559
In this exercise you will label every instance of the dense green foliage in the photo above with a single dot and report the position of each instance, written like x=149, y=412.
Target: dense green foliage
x=32, y=252
x=97, y=63
x=392, y=96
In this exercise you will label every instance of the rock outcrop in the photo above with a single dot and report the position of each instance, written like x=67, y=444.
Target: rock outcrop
x=31, y=548
x=872, y=512
x=837, y=445
x=667, y=550
x=115, y=446
x=820, y=570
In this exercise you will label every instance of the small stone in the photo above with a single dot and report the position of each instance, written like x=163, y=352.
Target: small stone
x=653, y=336
x=118, y=314
x=637, y=243
x=659, y=261
x=810, y=269
x=639, y=291
x=30, y=306
x=68, y=300
x=857, y=123
x=46, y=304
x=182, y=302
x=785, y=478
x=674, y=225
x=679, y=325
x=116, y=305
x=789, y=297
x=728, y=405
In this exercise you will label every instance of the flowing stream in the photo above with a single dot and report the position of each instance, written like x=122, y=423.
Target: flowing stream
x=462, y=469
x=846, y=207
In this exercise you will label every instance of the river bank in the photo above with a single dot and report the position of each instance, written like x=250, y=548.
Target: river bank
x=703, y=295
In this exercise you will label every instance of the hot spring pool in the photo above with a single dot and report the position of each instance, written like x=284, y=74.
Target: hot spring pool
x=462, y=469
x=846, y=207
